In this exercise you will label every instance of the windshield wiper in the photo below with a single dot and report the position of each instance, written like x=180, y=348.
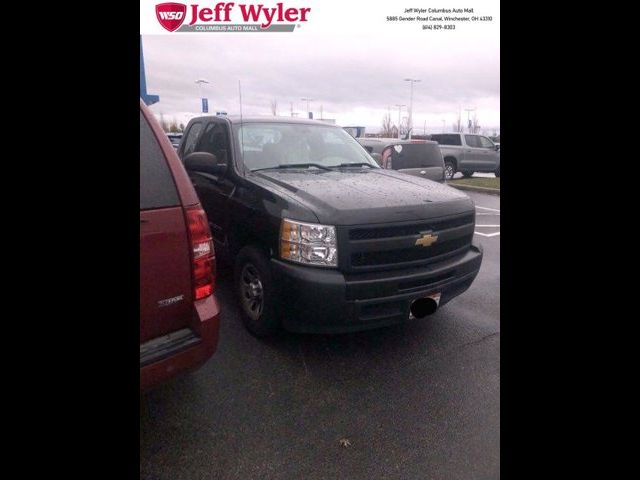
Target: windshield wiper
x=355, y=164
x=293, y=165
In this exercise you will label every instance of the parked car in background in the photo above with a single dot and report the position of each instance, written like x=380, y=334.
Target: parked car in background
x=468, y=153
x=179, y=315
x=322, y=239
x=175, y=138
x=415, y=157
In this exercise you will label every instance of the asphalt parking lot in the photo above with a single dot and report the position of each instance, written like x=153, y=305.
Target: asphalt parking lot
x=415, y=401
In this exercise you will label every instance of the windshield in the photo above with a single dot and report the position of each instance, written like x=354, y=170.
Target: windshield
x=277, y=145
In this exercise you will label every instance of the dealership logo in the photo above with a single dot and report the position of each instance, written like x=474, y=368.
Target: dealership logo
x=171, y=15
x=230, y=17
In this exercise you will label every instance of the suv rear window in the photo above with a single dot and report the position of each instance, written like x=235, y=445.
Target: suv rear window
x=157, y=189
x=446, y=139
x=416, y=155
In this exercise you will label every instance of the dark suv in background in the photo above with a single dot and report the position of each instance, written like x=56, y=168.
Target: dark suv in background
x=179, y=315
x=421, y=158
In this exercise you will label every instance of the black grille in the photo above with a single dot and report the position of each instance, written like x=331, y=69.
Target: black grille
x=405, y=255
x=407, y=230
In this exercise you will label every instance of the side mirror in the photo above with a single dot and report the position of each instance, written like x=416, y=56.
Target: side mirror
x=377, y=157
x=497, y=147
x=203, y=162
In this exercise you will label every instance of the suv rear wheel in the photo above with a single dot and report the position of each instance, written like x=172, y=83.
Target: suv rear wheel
x=449, y=169
x=254, y=287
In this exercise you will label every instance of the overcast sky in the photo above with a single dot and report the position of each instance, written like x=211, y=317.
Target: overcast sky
x=356, y=79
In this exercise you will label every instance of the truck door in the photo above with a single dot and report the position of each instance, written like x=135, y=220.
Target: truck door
x=215, y=191
x=473, y=153
x=489, y=155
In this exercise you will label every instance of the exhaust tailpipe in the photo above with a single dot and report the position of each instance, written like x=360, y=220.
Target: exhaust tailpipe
x=422, y=307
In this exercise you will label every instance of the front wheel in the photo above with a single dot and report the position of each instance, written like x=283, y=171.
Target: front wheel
x=449, y=169
x=254, y=287
x=467, y=174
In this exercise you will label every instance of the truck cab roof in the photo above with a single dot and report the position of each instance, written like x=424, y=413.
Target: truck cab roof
x=389, y=141
x=237, y=119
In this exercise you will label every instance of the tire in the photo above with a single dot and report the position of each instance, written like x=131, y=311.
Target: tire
x=467, y=174
x=255, y=290
x=497, y=172
x=449, y=169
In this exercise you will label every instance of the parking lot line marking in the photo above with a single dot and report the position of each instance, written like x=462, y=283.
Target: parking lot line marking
x=497, y=214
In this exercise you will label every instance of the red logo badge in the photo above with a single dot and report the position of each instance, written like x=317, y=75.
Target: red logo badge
x=171, y=15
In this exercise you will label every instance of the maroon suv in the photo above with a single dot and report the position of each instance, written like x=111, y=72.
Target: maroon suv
x=179, y=315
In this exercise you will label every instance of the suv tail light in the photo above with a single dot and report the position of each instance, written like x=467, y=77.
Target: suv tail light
x=386, y=159
x=203, y=266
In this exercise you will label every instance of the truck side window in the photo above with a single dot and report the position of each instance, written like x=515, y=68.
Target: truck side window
x=472, y=141
x=192, y=136
x=447, y=139
x=485, y=142
x=215, y=141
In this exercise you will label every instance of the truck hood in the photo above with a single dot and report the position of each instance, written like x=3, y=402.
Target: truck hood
x=356, y=197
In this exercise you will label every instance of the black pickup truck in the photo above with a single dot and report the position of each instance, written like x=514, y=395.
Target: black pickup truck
x=321, y=238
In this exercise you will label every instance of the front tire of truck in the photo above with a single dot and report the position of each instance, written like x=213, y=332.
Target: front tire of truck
x=449, y=169
x=467, y=174
x=254, y=287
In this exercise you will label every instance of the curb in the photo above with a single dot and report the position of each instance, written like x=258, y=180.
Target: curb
x=492, y=191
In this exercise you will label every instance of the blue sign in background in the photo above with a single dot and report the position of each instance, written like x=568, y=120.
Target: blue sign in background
x=205, y=105
x=147, y=98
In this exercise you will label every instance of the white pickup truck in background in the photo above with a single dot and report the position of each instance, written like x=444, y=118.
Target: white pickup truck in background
x=468, y=153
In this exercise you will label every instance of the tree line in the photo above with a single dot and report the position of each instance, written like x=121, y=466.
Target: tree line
x=171, y=126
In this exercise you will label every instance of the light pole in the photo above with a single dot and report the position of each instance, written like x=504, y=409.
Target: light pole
x=200, y=82
x=307, y=100
x=469, y=110
x=399, y=113
x=410, y=123
x=443, y=125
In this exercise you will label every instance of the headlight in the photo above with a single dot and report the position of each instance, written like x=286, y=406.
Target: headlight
x=308, y=243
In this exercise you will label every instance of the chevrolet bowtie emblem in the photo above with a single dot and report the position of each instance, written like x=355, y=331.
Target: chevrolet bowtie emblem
x=426, y=240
